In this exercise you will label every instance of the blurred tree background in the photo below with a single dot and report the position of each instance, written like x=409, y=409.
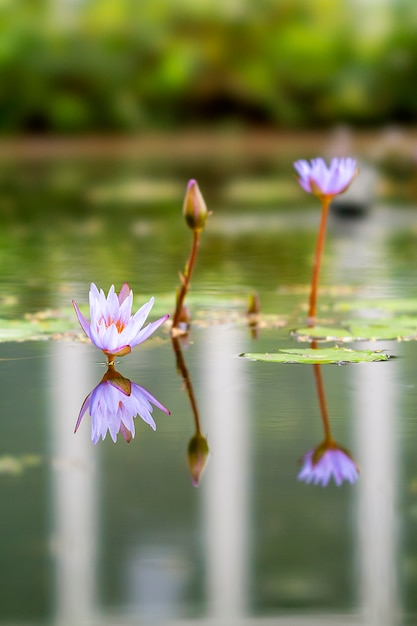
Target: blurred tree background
x=74, y=66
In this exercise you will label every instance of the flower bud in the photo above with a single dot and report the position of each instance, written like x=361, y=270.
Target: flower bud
x=198, y=452
x=194, y=208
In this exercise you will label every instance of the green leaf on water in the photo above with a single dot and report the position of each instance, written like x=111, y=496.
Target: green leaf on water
x=396, y=328
x=323, y=333
x=334, y=355
x=401, y=329
x=206, y=310
x=388, y=305
x=32, y=329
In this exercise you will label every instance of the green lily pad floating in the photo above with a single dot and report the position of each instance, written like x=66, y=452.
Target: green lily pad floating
x=401, y=329
x=323, y=333
x=397, y=328
x=23, y=330
x=393, y=305
x=206, y=309
x=338, y=356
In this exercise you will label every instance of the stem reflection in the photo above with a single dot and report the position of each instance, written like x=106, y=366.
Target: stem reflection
x=198, y=450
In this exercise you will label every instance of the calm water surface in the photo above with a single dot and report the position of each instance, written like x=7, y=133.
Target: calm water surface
x=116, y=533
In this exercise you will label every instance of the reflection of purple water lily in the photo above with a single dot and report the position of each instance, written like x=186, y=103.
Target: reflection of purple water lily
x=319, y=179
x=113, y=405
x=326, y=460
x=112, y=327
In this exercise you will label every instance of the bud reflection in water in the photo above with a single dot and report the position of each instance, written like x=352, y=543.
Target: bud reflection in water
x=198, y=450
x=114, y=404
x=328, y=459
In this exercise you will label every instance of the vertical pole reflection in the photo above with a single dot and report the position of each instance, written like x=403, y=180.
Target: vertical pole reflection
x=73, y=488
x=375, y=411
x=226, y=485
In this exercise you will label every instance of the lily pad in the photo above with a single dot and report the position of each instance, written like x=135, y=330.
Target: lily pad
x=206, y=309
x=401, y=329
x=336, y=355
x=392, y=305
x=323, y=333
x=31, y=329
x=396, y=328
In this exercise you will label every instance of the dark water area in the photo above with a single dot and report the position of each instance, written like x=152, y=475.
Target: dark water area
x=117, y=533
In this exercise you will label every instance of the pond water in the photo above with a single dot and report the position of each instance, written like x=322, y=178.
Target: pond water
x=117, y=533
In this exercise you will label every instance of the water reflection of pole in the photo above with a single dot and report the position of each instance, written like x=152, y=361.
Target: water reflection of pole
x=73, y=506
x=226, y=485
x=375, y=410
x=361, y=254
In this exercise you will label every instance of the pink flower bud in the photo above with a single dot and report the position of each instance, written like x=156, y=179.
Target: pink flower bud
x=194, y=208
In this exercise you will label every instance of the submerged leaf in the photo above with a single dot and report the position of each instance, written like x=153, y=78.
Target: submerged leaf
x=15, y=465
x=334, y=355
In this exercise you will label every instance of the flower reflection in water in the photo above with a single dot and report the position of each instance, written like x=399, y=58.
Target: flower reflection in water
x=114, y=404
x=328, y=459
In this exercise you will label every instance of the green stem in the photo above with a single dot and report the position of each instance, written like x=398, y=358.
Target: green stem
x=187, y=278
x=325, y=203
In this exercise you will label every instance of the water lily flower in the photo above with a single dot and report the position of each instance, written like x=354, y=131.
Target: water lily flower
x=323, y=181
x=326, y=460
x=114, y=404
x=112, y=327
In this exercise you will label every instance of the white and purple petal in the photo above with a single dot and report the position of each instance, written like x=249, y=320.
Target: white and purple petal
x=112, y=328
x=318, y=178
x=333, y=461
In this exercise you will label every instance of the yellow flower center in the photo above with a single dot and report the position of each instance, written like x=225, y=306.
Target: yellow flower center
x=118, y=323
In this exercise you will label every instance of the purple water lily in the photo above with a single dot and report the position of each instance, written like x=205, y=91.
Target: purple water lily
x=112, y=327
x=319, y=179
x=327, y=460
x=325, y=183
x=114, y=404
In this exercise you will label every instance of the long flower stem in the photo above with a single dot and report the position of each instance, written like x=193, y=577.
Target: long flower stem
x=186, y=278
x=325, y=203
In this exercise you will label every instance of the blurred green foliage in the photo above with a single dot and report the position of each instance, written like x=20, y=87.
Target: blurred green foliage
x=114, y=65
